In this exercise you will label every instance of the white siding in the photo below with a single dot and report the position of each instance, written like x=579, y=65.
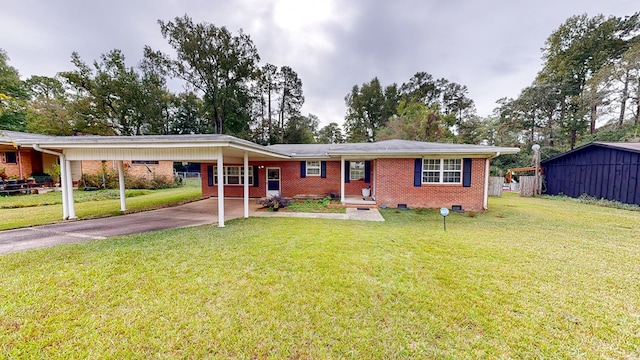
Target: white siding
x=175, y=154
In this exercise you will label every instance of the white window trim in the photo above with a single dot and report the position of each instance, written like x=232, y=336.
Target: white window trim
x=4, y=157
x=317, y=167
x=359, y=171
x=226, y=175
x=441, y=172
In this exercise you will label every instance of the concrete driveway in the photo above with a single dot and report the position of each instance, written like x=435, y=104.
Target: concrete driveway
x=196, y=213
x=192, y=214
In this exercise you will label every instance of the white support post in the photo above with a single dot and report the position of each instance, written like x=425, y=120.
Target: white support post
x=63, y=187
x=246, y=184
x=486, y=184
x=123, y=201
x=220, y=165
x=71, y=205
x=342, y=179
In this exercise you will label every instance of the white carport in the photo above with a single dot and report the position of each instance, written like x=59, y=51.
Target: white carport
x=220, y=149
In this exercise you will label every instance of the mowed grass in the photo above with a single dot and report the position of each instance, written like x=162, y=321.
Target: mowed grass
x=531, y=278
x=28, y=210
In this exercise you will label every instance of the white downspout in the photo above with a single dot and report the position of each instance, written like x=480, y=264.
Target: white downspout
x=63, y=176
x=486, y=180
x=342, y=179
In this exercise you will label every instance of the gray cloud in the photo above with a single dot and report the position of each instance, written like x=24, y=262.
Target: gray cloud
x=492, y=46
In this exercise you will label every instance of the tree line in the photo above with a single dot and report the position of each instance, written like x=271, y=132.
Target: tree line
x=226, y=92
x=588, y=89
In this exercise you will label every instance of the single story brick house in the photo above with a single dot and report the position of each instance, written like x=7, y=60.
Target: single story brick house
x=393, y=172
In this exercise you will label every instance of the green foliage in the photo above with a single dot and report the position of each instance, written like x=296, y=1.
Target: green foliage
x=275, y=202
x=301, y=129
x=223, y=78
x=112, y=99
x=13, y=96
x=591, y=200
x=54, y=171
x=416, y=122
x=108, y=179
x=368, y=109
x=330, y=134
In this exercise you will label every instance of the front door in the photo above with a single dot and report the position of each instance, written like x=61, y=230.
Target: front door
x=273, y=182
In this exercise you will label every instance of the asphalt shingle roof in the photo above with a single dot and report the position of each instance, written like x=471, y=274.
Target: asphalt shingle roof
x=387, y=147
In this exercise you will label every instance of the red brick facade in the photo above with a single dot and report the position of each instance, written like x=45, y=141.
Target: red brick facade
x=393, y=178
x=291, y=184
x=394, y=185
x=22, y=168
x=163, y=168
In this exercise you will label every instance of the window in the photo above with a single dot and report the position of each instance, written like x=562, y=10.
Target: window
x=436, y=171
x=144, y=162
x=356, y=170
x=10, y=157
x=313, y=168
x=233, y=175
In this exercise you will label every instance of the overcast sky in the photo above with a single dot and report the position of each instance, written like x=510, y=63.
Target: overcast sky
x=491, y=46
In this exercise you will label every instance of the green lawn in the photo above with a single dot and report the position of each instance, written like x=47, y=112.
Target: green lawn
x=531, y=278
x=28, y=210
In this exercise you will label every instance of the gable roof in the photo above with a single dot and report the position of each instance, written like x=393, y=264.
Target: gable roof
x=388, y=148
x=625, y=146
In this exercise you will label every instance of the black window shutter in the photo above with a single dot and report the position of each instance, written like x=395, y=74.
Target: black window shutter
x=255, y=177
x=347, y=168
x=367, y=171
x=303, y=169
x=417, y=173
x=210, y=175
x=323, y=169
x=466, y=172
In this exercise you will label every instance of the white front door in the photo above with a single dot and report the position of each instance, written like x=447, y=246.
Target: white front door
x=273, y=182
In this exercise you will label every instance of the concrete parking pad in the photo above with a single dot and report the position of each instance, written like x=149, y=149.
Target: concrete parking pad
x=196, y=213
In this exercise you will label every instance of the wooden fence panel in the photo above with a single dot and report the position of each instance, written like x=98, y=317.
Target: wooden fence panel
x=527, y=186
x=495, y=185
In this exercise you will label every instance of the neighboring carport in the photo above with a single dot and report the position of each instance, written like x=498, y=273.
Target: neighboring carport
x=219, y=149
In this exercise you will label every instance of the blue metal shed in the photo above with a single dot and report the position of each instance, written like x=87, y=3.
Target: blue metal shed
x=599, y=169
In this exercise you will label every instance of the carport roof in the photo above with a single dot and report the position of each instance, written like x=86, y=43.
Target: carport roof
x=141, y=141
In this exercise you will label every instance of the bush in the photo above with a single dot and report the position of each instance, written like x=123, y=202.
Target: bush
x=109, y=179
x=274, y=202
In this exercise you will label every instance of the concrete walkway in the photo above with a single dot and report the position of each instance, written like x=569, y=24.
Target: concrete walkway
x=192, y=214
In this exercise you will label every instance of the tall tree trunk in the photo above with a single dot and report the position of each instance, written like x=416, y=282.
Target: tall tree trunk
x=284, y=91
x=269, y=112
x=593, y=117
x=636, y=119
x=624, y=98
x=550, y=128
